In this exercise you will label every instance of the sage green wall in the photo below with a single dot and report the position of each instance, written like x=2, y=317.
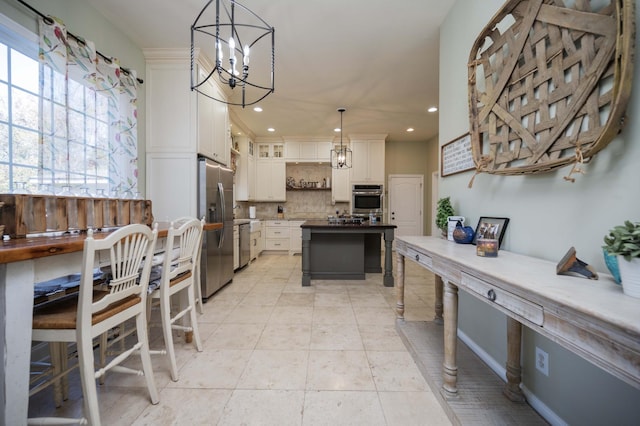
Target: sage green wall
x=420, y=158
x=548, y=216
x=83, y=20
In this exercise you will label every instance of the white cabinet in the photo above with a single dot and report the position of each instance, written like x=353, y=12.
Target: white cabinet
x=307, y=150
x=270, y=151
x=256, y=239
x=255, y=243
x=271, y=173
x=213, y=122
x=236, y=247
x=271, y=181
x=277, y=235
x=340, y=185
x=171, y=185
x=246, y=170
x=368, y=160
x=177, y=129
x=323, y=151
x=295, y=236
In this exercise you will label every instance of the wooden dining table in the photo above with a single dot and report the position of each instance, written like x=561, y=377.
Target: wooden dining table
x=23, y=263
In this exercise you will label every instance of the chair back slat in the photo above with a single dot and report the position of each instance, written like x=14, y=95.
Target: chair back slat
x=127, y=249
x=186, y=238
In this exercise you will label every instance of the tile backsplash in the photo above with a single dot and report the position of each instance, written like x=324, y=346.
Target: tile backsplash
x=318, y=173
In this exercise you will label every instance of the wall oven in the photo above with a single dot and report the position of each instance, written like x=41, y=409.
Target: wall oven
x=366, y=200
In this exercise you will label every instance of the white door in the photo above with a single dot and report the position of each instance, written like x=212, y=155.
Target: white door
x=406, y=203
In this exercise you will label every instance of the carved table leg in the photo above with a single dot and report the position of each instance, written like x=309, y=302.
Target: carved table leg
x=400, y=287
x=514, y=336
x=449, y=366
x=438, y=287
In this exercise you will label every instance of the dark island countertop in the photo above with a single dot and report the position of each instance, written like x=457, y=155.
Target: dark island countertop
x=324, y=224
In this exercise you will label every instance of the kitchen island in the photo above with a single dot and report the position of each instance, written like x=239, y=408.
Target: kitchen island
x=345, y=251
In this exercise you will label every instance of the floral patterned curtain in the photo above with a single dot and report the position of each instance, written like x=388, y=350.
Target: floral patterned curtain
x=109, y=150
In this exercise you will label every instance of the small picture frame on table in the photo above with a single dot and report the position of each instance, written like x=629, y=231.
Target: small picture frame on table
x=491, y=228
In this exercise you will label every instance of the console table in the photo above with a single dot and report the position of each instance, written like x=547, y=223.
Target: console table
x=591, y=318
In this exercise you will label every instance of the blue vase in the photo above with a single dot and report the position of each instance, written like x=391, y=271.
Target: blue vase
x=463, y=234
x=611, y=260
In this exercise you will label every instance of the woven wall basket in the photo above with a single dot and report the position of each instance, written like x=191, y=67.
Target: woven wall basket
x=549, y=83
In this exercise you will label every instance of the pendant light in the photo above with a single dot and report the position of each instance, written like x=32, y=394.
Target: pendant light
x=341, y=156
x=233, y=36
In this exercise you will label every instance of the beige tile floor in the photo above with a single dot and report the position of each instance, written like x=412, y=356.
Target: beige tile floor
x=277, y=353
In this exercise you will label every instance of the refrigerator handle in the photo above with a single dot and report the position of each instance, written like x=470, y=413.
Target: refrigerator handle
x=221, y=194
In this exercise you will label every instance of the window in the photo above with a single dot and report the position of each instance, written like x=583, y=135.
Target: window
x=55, y=132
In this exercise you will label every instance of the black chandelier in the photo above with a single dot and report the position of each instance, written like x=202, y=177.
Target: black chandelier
x=236, y=33
x=341, y=156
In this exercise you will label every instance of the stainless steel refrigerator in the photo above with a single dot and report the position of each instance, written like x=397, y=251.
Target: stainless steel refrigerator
x=215, y=203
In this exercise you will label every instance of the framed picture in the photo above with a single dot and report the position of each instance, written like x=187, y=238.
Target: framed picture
x=491, y=227
x=456, y=156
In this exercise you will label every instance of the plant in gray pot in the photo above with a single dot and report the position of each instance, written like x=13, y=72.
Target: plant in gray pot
x=623, y=241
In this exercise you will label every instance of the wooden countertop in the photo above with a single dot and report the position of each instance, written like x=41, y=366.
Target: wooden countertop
x=18, y=249
x=324, y=224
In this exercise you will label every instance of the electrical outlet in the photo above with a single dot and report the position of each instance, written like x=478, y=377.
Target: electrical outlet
x=542, y=361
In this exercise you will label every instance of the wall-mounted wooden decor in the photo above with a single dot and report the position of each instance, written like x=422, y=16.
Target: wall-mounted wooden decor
x=549, y=82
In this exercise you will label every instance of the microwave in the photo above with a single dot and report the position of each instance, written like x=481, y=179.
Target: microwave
x=367, y=199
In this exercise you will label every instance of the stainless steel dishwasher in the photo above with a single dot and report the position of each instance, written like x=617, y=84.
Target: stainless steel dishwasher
x=245, y=239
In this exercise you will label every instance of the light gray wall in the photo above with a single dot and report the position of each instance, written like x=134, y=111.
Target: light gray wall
x=572, y=214
x=83, y=20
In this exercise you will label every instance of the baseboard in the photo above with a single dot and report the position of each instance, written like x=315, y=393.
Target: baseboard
x=540, y=407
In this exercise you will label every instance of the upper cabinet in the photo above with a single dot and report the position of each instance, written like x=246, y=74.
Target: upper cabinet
x=271, y=169
x=368, y=159
x=246, y=170
x=270, y=151
x=180, y=124
x=213, y=122
x=171, y=114
x=307, y=150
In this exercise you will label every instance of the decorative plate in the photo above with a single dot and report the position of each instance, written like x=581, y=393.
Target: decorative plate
x=549, y=82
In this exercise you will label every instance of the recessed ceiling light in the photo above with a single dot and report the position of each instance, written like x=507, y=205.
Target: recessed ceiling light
x=257, y=109
x=432, y=109
x=410, y=129
x=337, y=129
x=271, y=129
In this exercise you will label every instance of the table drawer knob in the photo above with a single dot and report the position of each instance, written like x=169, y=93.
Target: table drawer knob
x=491, y=295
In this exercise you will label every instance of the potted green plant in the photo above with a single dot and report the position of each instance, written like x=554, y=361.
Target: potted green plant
x=623, y=241
x=444, y=209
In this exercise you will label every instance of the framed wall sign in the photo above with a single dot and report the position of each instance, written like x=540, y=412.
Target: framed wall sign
x=456, y=156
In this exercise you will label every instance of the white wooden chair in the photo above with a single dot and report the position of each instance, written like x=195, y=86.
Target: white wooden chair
x=179, y=276
x=85, y=317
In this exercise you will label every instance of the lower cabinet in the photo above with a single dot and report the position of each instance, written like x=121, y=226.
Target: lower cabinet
x=255, y=244
x=277, y=236
x=295, y=236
